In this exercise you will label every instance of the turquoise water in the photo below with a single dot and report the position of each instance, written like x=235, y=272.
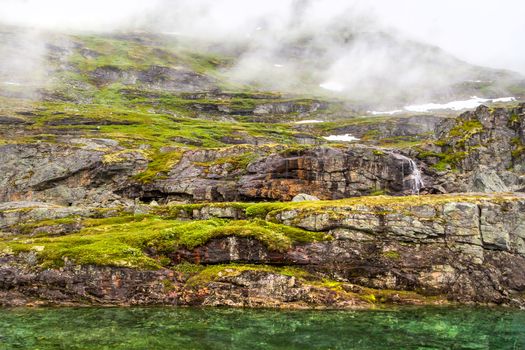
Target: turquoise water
x=194, y=328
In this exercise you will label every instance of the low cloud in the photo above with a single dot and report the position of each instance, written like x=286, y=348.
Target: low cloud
x=357, y=48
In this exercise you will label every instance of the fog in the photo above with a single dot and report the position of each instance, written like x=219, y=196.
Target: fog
x=351, y=46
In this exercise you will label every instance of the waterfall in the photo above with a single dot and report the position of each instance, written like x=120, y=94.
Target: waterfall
x=414, y=174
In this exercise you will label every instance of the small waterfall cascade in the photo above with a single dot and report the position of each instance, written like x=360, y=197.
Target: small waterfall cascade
x=413, y=175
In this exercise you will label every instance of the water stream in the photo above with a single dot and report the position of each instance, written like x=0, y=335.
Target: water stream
x=412, y=175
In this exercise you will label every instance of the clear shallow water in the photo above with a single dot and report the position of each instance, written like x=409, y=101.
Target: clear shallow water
x=185, y=328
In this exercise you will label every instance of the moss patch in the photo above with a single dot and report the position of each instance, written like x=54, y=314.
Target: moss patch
x=159, y=166
x=122, y=241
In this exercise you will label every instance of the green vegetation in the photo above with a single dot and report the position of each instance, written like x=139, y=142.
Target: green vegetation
x=160, y=164
x=455, y=145
x=122, y=241
x=236, y=162
x=464, y=130
x=203, y=275
x=519, y=148
x=392, y=255
x=378, y=192
x=373, y=204
x=140, y=128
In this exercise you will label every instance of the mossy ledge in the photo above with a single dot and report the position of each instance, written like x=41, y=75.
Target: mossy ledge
x=352, y=253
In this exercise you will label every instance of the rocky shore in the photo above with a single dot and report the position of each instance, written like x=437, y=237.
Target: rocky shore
x=352, y=253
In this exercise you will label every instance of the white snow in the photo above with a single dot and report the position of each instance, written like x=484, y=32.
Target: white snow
x=308, y=121
x=344, y=137
x=386, y=112
x=173, y=33
x=504, y=99
x=473, y=102
x=11, y=83
x=278, y=65
x=332, y=86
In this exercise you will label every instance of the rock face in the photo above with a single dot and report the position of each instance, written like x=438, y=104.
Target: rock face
x=485, y=148
x=93, y=285
x=97, y=171
x=324, y=172
x=301, y=197
x=414, y=126
x=66, y=175
x=462, y=249
x=155, y=78
x=467, y=251
x=480, y=151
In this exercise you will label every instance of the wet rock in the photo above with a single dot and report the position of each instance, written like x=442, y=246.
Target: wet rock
x=323, y=172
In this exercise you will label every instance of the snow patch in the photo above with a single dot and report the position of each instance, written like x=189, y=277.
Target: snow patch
x=332, y=86
x=278, y=65
x=343, y=137
x=386, y=112
x=173, y=33
x=11, y=83
x=473, y=102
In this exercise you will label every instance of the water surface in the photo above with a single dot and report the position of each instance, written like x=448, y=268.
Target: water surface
x=196, y=328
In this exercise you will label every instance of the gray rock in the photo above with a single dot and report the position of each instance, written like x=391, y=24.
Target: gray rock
x=301, y=197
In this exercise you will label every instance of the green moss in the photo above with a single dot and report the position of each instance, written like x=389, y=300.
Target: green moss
x=274, y=236
x=518, y=148
x=122, y=241
x=120, y=156
x=212, y=273
x=464, y=130
x=236, y=162
x=449, y=160
x=378, y=192
x=392, y=255
x=261, y=210
x=514, y=118
x=159, y=166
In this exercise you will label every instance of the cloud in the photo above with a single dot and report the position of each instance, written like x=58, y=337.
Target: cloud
x=360, y=47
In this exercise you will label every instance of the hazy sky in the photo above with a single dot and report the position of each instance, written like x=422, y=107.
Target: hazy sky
x=485, y=32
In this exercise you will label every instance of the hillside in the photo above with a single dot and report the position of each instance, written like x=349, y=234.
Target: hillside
x=140, y=168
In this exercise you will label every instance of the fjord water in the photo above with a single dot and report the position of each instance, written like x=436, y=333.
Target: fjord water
x=198, y=328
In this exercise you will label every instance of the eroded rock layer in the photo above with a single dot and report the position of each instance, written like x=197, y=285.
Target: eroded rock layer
x=351, y=253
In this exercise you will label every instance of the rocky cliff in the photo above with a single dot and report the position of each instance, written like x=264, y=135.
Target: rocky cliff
x=480, y=150
x=347, y=253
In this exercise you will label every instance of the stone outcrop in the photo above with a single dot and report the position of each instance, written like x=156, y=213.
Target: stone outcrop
x=325, y=172
x=155, y=78
x=87, y=173
x=484, y=148
x=469, y=251
x=430, y=249
x=376, y=128
x=100, y=172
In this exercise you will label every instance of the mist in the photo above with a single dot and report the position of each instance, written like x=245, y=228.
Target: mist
x=353, y=48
